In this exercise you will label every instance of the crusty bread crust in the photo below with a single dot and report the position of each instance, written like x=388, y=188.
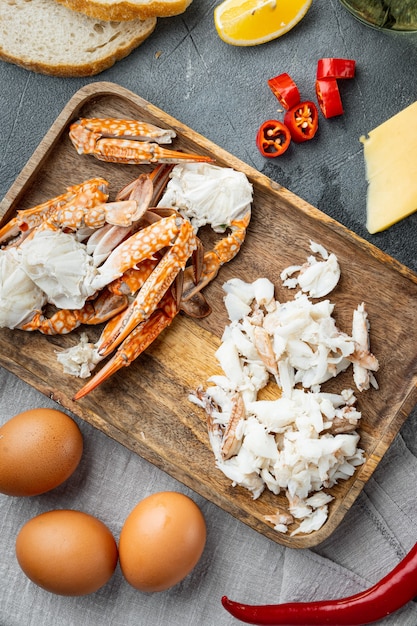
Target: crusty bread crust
x=120, y=10
x=48, y=38
x=67, y=70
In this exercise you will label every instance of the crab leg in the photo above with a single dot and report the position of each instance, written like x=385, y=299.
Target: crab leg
x=134, y=278
x=223, y=252
x=75, y=215
x=88, y=194
x=111, y=301
x=63, y=321
x=127, y=141
x=150, y=294
x=143, y=244
x=136, y=343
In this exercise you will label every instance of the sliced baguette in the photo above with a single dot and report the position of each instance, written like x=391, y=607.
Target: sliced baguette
x=49, y=38
x=127, y=9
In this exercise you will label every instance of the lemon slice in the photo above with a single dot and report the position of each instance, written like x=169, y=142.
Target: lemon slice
x=252, y=22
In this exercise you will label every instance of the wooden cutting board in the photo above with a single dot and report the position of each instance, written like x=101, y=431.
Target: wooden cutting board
x=145, y=407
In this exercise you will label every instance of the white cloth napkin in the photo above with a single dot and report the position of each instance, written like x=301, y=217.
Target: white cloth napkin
x=237, y=561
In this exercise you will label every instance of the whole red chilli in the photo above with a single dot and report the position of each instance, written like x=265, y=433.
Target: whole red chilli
x=385, y=597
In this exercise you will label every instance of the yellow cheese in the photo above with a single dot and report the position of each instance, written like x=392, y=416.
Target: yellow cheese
x=390, y=153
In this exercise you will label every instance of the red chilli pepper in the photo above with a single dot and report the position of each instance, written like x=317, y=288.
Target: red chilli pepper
x=273, y=138
x=335, y=68
x=328, y=97
x=285, y=89
x=387, y=596
x=302, y=121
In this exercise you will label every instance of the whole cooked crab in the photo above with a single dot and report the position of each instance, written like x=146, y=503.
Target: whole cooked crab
x=133, y=263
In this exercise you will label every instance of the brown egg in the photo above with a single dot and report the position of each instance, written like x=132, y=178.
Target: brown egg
x=39, y=449
x=67, y=552
x=161, y=541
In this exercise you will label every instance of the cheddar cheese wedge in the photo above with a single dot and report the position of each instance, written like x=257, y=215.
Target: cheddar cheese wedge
x=390, y=153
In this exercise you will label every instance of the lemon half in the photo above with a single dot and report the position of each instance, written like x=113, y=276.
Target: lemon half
x=252, y=22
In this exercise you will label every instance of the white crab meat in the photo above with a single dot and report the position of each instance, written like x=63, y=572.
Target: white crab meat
x=316, y=277
x=208, y=194
x=60, y=266
x=258, y=441
x=275, y=415
x=20, y=297
x=280, y=519
x=313, y=521
x=362, y=369
x=228, y=357
x=81, y=359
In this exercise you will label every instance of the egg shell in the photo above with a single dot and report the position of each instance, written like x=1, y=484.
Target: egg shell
x=67, y=552
x=39, y=450
x=161, y=541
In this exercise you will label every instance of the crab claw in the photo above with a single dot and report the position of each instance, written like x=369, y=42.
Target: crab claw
x=86, y=132
x=127, y=141
x=147, y=187
x=141, y=190
x=89, y=193
x=136, y=343
x=145, y=191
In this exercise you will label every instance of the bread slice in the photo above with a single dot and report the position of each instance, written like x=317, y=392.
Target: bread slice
x=128, y=9
x=47, y=37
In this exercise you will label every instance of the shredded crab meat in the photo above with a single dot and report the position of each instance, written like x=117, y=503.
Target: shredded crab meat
x=316, y=277
x=304, y=440
x=81, y=359
x=366, y=362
